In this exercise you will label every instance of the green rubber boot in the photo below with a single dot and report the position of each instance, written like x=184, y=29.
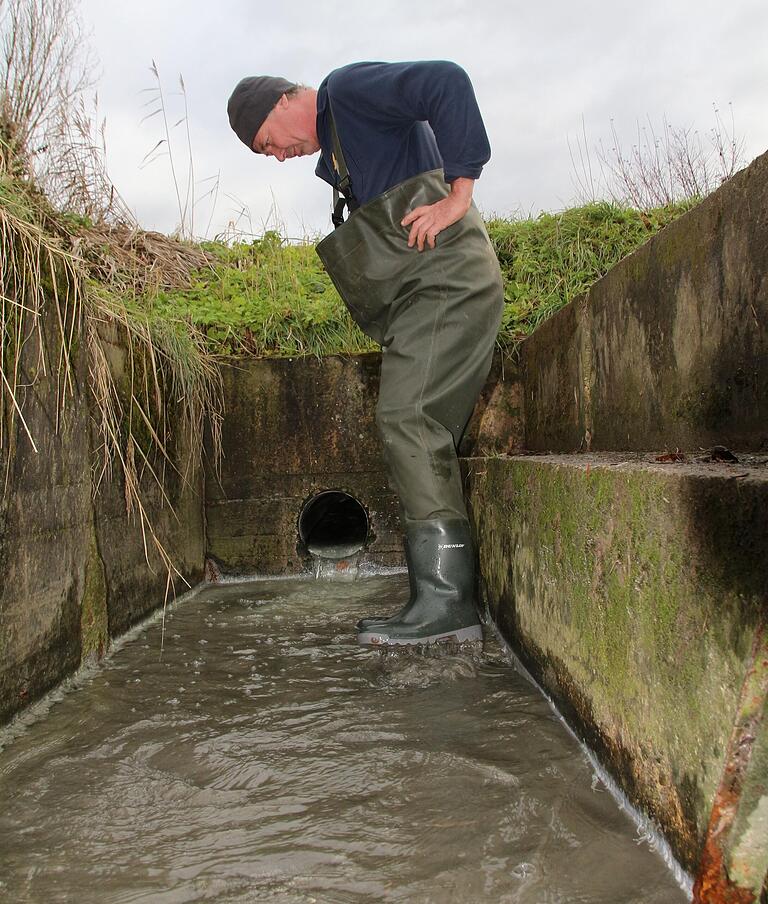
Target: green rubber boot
x=442, y=607
x=377, y=619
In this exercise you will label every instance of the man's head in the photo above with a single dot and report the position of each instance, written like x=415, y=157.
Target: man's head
x=275, y=117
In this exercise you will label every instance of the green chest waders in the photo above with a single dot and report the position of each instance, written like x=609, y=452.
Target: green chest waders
x=436, y=314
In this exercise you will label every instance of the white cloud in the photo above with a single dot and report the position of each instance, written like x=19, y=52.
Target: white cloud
x=537, y=70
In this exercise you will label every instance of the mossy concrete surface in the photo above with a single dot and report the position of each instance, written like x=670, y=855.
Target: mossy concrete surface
x=496, y=426
x=294, y=428
x=734, y=865
x=135, y=575
x=670, y=348
x=46, y=526
x=632, y=590
x=94, y=618
x=73, y=564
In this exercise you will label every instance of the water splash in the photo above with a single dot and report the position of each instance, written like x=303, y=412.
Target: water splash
x=330, y=568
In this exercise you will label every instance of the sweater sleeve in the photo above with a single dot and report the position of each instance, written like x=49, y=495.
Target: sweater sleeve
x=396, y=95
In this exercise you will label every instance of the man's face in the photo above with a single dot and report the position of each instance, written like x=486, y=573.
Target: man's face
x=289, y=131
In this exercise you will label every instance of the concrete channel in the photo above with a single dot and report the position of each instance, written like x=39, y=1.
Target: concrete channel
x=617, y=474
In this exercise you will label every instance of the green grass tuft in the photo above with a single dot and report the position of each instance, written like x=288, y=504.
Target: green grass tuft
x=265, y=298
x=271, y=298
x=549, y=260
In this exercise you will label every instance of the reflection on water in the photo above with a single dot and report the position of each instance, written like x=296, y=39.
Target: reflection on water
x=266, y=757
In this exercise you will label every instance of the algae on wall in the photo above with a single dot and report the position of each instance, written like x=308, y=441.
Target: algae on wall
x=94, y=618
x=597, y=571
x=47, y=520
x=102, y=491
x=670, y=349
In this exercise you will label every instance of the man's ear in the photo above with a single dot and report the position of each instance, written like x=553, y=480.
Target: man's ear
x=283, y=102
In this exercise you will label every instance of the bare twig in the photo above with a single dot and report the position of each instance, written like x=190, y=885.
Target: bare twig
x=662, y=167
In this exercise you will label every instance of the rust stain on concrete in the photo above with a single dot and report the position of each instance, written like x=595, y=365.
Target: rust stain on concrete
x=714, y=883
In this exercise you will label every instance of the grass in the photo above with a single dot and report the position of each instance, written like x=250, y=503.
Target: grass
x=264, y=298
x=35, y=270
x=550, y=260
x=272, y=298
x=172, y=386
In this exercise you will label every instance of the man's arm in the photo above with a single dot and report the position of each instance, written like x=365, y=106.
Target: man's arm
x=444, y=97
x=437, y=92
x=428, y=221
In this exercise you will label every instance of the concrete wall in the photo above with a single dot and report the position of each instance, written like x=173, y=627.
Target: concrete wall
x=294, y=428
x=177, y=515
x=669, y=349
x=633, y=591
x=73, y=568
x=46, y=535
x=297, y=427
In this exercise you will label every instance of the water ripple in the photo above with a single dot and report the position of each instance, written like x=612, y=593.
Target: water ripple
x=264, y=756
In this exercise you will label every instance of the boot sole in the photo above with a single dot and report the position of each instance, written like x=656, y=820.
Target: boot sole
x=459, y=635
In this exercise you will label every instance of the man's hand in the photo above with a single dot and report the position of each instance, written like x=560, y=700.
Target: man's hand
x=428, y=221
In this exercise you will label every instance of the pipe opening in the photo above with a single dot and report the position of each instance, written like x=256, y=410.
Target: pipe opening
x=333, y=525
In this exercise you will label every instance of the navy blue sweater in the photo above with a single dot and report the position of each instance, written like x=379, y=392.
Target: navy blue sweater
x=396, y=120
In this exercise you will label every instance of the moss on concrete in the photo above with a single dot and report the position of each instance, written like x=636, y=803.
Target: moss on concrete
x=670, y=348
x=746, y=844
x=595, y=573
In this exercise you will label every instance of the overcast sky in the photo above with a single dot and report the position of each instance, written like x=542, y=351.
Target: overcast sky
x=542, y=70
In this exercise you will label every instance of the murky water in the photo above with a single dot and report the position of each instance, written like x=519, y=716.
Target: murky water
x=265, y=757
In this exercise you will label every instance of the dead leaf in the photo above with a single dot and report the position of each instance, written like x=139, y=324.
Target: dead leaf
x=677, y=455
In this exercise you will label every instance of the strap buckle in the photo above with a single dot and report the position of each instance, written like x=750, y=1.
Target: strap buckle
x=337, y=216
x=344, y=182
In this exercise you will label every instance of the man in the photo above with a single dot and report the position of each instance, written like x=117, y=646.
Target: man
x=404, y=143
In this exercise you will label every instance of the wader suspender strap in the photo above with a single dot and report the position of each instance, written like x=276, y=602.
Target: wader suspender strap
x=345, y=183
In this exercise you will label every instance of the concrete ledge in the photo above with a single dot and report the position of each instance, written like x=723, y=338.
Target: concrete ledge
x=633, y=591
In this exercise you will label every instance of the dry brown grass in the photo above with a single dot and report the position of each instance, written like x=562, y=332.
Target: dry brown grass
x=137, y=260
x=172, y=385
x=45, y=65
x=665, y=165
x=89, y=268
x=30, y=258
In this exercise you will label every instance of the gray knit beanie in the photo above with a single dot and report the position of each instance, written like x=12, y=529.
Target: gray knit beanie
x=252, y=101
